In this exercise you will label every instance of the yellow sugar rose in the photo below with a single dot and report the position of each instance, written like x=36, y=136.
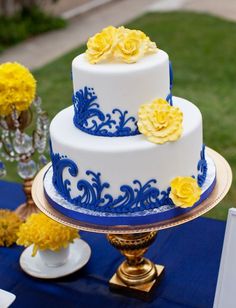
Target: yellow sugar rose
x=17, y=88
x=100, y=46
x=159, y=121
x=120, y=44
x=131, y=45
x=149, y=46
x=185, y=191
x=124, y=32
x=128, y=39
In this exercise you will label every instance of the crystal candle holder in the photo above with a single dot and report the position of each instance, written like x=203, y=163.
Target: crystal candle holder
x=26, y=148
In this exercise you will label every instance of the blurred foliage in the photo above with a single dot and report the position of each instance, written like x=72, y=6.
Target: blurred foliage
x=28, y=22
x=31, y=3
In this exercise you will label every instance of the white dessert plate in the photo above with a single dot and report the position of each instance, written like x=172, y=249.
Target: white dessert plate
x=6, y=298
x=79, y=255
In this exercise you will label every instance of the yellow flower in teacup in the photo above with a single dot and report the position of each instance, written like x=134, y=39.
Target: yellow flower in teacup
x=100, y=46
x=45, y=234
x=159, y=121
x=185, y=191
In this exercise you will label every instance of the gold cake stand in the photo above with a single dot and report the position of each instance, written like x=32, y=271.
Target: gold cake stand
x=137, y=276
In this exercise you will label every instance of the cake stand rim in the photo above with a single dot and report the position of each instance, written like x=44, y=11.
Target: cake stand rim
x=223, y=183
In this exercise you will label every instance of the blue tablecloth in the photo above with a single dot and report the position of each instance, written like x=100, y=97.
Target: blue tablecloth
x=191, y=254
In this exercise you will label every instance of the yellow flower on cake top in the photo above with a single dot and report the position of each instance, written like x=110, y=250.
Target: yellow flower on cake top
x=159, y=121
x=132, y=45
x=100, y=46
x=119, y=44
x=185, y=191
x=17, y=88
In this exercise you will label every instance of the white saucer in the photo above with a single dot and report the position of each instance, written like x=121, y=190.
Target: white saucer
x=79, y=255
x=6, y=298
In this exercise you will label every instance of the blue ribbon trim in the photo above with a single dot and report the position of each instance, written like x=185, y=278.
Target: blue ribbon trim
x=128, y=220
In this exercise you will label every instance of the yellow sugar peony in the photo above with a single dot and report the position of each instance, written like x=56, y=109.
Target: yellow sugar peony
x=159, y=121
x=17, y=88
x=121, y=44
x=9, y=226
x=185, y=191
x=45, y=233
x=100, y=46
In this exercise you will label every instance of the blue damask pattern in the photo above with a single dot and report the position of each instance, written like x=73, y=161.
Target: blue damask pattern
x=90, y=119
x=171, y=75
x=169, y=97
x=92, y=191
x=202, y=167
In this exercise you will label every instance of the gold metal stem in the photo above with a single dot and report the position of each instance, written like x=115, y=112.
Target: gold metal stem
x=135, y=270
x=136, y=276
x=29, y=207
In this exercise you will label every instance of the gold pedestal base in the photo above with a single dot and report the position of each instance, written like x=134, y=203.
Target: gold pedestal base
x=136, y=276
x=144, y=291
x=26, y=209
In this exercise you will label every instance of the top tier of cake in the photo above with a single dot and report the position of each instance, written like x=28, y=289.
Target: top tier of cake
x=107, y=96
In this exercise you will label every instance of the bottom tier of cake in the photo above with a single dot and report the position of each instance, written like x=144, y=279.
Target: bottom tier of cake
x=155, y=214
x=124, y=180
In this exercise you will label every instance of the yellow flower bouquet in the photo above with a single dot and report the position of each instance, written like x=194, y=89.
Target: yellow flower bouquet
x=9, y=226
x=46, y=235
x=17, y=88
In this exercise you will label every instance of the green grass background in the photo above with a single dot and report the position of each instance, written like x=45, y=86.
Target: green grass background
x=202, y=49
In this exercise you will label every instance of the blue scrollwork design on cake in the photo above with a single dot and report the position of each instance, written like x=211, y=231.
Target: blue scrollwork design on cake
x=202, y=167
x=90, y=119
x=169, y=96
x=171, y=75
x=59, y=163
x=169, y=99
x=137, y=197
x=92, y=191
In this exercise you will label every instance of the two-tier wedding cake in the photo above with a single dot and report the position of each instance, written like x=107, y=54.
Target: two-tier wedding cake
x=126, y=152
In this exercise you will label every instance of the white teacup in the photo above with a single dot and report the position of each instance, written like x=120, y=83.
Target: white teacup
x=54, y=258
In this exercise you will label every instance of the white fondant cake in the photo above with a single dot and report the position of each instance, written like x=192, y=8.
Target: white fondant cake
x=103, y=170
